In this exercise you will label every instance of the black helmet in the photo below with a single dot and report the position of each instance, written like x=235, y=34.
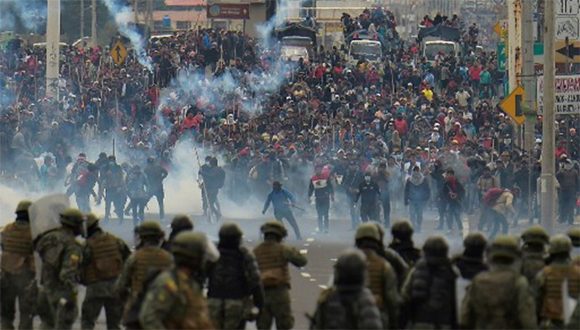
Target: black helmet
x=350, y=268
x=181, y=222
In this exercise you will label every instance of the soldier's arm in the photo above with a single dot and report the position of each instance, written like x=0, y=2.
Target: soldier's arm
x=71, y=266
x=124, y=281
x=294, y=256
x=124, y=248
x=536, y=289
x=392, y=299
x=399, y=265
x=526, y=307
x=253, y=279
x=406, y=289
x=575, y=319
x=466, y=316
x=158, y=302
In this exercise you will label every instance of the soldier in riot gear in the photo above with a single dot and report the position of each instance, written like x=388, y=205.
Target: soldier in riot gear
x=429, y=292
x=180, y=222
x=174, y=300
x=499, y=298
x=392, y=257
x=234, y=285
x=17, y=272
x=348, y=304
x=61, y=256
x=103, y=259
x=535, y=239
x=574, y=234
x=402, y=232
x=470, y=262
x=273, y=257
x=548, y=283
x=382, y=277
x=149, y=257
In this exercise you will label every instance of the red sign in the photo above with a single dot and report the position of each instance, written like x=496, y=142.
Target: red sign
x=228, y=11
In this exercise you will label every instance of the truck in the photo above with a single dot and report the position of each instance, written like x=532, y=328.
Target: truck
x=439, y=39
x=296, y=41
x=364, y=47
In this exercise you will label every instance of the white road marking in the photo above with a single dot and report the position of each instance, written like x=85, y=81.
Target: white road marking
x=306, y=275
x=310, y=239
x=303, y=251
x=323, y=287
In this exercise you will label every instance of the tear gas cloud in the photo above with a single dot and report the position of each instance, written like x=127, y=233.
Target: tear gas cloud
x=30, y=14
x=122, y=15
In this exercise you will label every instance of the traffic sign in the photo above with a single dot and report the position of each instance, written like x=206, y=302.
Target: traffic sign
x=567, y=22
x=119, y=52
x=500, y=28
x=512, y=105
x=501, y=57
x=568, y=53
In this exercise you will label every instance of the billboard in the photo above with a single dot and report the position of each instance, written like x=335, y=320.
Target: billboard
x=228, y=11
x=567, y=94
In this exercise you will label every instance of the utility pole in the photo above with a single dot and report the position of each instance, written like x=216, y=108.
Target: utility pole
x=52, y=47
x=94, y=22
x=529, y=83
x=82, y=18
x=547, y=179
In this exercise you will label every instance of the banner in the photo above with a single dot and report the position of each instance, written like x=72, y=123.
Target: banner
x=567, y=95
x=228, y=11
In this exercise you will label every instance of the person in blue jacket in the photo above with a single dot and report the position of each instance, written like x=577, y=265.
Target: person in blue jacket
x=282, y=200
x=417, y=194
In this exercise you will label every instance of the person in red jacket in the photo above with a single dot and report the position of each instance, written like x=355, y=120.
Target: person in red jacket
x=401, y=125
x=321, y=187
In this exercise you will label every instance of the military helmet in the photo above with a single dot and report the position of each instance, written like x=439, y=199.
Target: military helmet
x=436, y=246
x=381, y=230
x=189, y=244
x=504, y=246
x=230, y=229
x=474, y=240
x=181, y=221
x=72, y=217
x=92, y=220
x=23, y=206
x=574, y=234
x=535, y=234
x=150, y=229
x=350, y=268
x=402, y=229
x=274, y=227
x=368, y=230
x=560, y=244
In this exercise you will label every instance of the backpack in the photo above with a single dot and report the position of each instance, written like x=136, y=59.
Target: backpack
x=131, y=319
x=491, y=196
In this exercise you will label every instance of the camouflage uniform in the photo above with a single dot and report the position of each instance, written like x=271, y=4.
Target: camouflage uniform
x=61, y=257
x=548, y=283
x=233, y=281
x=273, y=257
x=103, y=258
x=174, y=301
x=382, y=280
x=499, y=298
x=348, y=304
x=534, y=254
x=17, y=272
x=574, y=234
x=148, y=258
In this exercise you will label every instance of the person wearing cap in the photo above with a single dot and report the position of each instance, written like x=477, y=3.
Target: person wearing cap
x=180, y=222
x=273, y=257
x=61, y=255
x=453, y=192
x=569, y=181
x=103, y=257
x=506, y=171
x=282, y=201
x=548, y=284
x=112, y=187
x=174, y=300
x=350, y=184
x=428, y=292
x=17, y=272
x=416, y=195
x=155, y=174
x=369, y=193
x=499, y=298
x=89, y=131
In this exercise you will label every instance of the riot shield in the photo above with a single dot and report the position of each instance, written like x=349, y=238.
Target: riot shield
x=45, y=213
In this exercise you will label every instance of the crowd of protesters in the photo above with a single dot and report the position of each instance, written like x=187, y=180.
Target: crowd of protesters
x=269, y=120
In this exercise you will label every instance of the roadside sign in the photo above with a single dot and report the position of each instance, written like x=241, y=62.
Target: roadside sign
x=501, y=57
x=567, y=19
x=119, y=53
x=512, y=105
x=567, y=95
x=568, y=53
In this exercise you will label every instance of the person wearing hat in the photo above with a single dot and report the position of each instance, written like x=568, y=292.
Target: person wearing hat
x=535, y=240
x=350, y=184
x=155, y=174
x=429, y=291
x=148, y=257
x=174, y=300
x=103, y=257
x=453, y=192
x=569, y=181
x=17, y=272
x=382, y=278
x=348, y=293
x=499, y=298
x=402, y=243
x=234, y=284
x=506, y=171
x=548, y=283
x=416, y=195
x=61, y=256
x=471, y=262
x=282, y=201
x=273, y=257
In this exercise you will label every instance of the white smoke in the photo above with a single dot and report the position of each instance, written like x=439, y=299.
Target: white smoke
x=31, y=14
x=122, y=15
